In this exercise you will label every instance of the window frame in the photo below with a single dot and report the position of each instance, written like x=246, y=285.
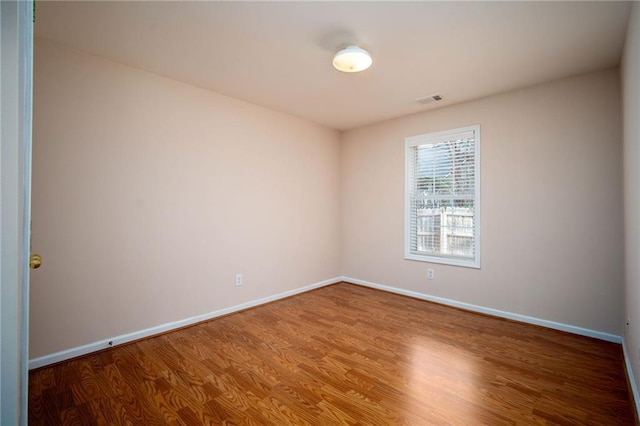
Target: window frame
x=428, y=139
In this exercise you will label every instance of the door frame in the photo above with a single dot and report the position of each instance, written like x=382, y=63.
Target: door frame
x=16, y=107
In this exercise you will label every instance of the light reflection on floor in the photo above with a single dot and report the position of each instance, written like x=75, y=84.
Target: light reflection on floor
x=434, y=366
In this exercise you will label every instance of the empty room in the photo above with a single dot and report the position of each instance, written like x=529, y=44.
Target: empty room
x=324, y=213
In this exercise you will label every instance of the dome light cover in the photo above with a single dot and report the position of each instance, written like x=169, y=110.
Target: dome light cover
x=352, y=59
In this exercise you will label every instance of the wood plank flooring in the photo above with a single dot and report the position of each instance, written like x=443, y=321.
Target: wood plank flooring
x=342, y=355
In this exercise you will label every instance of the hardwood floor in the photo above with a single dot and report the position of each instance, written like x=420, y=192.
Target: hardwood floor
x=342, y=355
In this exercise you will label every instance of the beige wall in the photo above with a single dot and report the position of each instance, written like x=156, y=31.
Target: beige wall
x=149, y=195
x=551, y=195
x=631, y=119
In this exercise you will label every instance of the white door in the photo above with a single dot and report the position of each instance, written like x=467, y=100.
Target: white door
x=16, y=59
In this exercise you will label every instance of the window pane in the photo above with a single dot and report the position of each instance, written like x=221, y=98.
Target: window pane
x=445, y=227
x=443, y=196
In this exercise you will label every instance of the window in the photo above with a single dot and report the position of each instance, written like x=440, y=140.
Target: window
x=443, y=197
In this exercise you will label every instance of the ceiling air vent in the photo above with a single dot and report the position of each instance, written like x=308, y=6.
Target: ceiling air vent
x=428, y=99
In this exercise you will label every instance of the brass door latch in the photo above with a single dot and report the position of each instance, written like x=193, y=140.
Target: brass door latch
x=35, y=261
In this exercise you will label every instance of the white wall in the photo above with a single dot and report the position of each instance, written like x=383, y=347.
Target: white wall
x=551, y=194
x=150, y=195
x=631, y=124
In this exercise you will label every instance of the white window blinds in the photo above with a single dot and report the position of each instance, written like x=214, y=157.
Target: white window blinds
x=443, y=197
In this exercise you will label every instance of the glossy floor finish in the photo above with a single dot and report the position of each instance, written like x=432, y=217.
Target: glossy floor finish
x=338, y=355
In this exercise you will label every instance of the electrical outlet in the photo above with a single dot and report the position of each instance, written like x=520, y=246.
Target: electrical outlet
x=431, y=274
x=238, y=279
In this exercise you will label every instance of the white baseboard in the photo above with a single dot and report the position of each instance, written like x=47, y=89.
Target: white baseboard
x=489, y=311
x=632, y=381
x=125, y=338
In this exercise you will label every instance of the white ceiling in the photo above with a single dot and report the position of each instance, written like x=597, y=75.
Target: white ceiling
x=278, y=54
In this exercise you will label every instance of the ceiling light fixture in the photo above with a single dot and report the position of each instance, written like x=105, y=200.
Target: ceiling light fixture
x=352, y=59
